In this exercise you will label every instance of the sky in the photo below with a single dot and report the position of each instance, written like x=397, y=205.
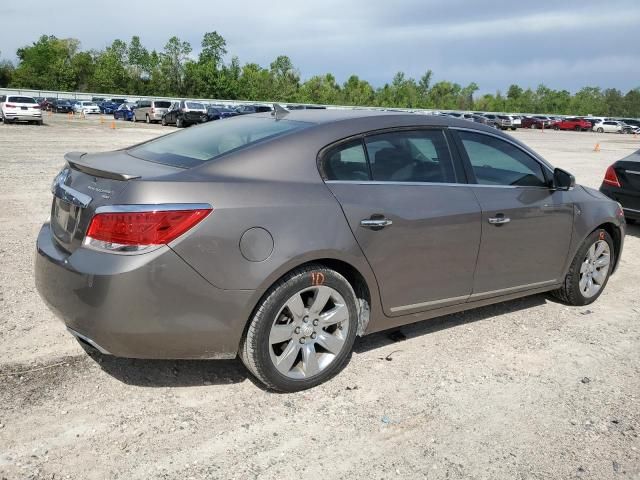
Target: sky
x=565, y=44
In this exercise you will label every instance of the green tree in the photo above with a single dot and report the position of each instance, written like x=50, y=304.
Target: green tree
x=110, y=73
x=320, y=89
x=172, y=65
x=357, y=92
x=286, y=79
x=6, y=72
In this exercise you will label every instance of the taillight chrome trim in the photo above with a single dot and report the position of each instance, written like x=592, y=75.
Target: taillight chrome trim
x=152, y=207
x=120, y=249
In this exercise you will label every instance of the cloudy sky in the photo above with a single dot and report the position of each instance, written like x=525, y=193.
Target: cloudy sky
x=563, y=43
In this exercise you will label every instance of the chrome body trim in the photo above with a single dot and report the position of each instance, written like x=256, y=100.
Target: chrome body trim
x=473, y=296
x=429, y=304
x=512, y=289
x=632, y=172
x=435, y=184
x=630, y=210
x=160, y=207
x=89, y=341
x=68, y=194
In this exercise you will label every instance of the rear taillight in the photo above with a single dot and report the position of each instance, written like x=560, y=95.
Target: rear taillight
x=610, y=177
x=135, y=229
x=9, y=105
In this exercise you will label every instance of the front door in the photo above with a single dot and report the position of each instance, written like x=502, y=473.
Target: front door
x=526, y=225
x=419, y=230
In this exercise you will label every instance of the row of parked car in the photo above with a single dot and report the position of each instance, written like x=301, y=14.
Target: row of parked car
x=579, y=124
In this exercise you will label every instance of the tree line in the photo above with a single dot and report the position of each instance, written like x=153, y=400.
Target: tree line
x=53, y=63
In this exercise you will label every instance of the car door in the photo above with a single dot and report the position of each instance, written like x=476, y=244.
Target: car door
x=526, y=225
x=418, y=228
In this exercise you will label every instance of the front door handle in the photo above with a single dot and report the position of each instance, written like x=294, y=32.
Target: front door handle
x=375, y=223
x=499, y=219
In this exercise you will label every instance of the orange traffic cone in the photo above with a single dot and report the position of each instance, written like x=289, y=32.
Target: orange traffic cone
x=596, y=148
x=113, y=125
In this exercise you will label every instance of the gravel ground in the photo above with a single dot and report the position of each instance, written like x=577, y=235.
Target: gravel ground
x=525, y=389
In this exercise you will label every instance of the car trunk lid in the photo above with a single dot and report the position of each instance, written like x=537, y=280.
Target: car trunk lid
x=89, y=181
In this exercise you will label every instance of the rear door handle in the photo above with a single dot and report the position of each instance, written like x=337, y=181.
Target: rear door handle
x=375, y=223
x=499, y=220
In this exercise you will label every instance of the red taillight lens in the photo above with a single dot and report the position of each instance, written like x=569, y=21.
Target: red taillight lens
x=10, y=105
x=142, y=228
x=610, y=177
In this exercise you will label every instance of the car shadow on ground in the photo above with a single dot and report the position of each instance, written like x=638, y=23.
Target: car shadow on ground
x=170, y=373
x=633, y=229
x=426, y=327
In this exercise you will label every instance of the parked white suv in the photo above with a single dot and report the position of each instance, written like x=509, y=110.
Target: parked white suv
x=85, y=106
x=151, y=111
x=16, y=108
x=608, y=126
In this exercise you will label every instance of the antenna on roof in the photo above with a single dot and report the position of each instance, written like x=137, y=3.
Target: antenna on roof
x=279, y=111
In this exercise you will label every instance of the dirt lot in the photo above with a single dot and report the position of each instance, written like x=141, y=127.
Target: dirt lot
x=525, y=389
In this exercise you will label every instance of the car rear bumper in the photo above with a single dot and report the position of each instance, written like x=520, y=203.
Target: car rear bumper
x=152, y=305
x=23, y=116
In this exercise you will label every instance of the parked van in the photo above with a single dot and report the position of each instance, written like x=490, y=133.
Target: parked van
x=151, y=111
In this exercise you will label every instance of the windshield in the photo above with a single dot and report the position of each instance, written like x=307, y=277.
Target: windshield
x=191, y=147
x=162, y=104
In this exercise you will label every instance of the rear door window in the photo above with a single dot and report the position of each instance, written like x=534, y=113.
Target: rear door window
x=22, y=100
x=346, y=161
x=497, y=162
x=410, y=156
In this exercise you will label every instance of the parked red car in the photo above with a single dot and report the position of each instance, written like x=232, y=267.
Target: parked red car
x=577, y=124
x=535, y=122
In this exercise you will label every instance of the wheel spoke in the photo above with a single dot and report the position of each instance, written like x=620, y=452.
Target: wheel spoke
x=600, y=249
x=320, y=300
x=285, y=361
x=330, y=342
x=309, y=360
x=584, y=266
x=296, y=306
x=603, y=261
x=340, y=313
x=589, y=284
x=599, y=276
x=583, y=283
x=592, y=251
x=280, y=333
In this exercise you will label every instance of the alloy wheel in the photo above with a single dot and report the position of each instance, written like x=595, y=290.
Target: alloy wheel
x=594, y=268
x=309, y=332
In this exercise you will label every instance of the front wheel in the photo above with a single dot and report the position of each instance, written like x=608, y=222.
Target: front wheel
x=302, y=332
x=147, y=119
x=589, y=270
x=163, y=122
x=180, y=123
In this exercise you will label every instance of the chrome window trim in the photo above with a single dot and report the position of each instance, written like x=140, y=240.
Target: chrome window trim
x=441, y=184
x=630, y=210
x=150, y=207
x=633, y=172
x=533, y=155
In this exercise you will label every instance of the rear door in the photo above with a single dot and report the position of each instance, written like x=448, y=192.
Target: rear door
x=628, y=173
x=417, y=226
x=526, y=226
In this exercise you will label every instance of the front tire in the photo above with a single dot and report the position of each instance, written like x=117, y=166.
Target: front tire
x=589, y=271
x=302, y=332
x=180, y=123
x=163, y=122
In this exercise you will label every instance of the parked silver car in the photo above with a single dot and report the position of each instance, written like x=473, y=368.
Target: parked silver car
x=282, y=239
x=150, y=111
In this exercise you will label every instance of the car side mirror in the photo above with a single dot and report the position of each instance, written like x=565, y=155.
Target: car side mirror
x=563, y=180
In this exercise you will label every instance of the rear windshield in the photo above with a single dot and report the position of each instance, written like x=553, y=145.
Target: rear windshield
x=195, y=105
x=21, y=100
x=162, y=104
x=195, y=145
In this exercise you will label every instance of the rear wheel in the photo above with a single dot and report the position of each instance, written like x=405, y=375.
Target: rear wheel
x=303, y=330
x=164, y=122
x=600, y=130
x=589, y=271
x=180, y=123
x=147, y=119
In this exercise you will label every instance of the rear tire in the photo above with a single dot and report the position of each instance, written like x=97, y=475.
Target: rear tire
x=147, y=119
x=600, y=130
x=164, y=122
x=302, y=332
x=590, y=266
x=179, y=123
